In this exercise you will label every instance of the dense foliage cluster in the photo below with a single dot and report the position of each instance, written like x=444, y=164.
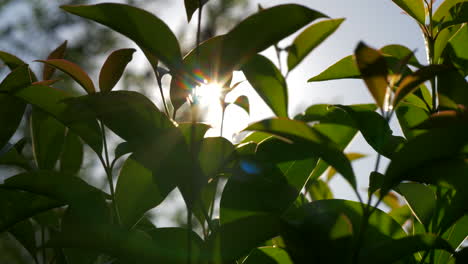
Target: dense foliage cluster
x=275, y=207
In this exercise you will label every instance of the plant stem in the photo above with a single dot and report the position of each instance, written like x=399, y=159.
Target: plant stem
x=278, y=56
x=108, y=170
x=44, y=256
x=223, y=110
x=158, y=79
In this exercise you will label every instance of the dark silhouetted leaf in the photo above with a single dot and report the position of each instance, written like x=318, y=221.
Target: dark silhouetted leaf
x=414, y=80
x=309, y=39
x=58, y=53
x=75, y=71
x=139, y=25
x=72, y=154
x=135, y=192
x=11, y=60
x=17, y=206
x=264, y=29
x=421, y=199
x=50, y=100
x=243, y=102
x=267, y=80
x=191, y=6
x=113, y=68
x=48, y=136
x=394, y=250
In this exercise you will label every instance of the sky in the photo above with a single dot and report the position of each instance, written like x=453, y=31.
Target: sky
x=376, y=22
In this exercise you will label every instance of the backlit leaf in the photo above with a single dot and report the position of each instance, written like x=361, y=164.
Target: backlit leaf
x=268, y=255
x=309, y=39
x=113, y=68
x=421, y=199
x=343, y=69
x=268, y=82
x=319, y=144
x=75, y=71
x=414, y=8
x=243, y=102
x=135, y=192
x=414, y=80
x=373, y=68
x=58, y=53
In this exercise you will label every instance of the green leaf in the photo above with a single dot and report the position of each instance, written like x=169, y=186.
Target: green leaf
x=456, y=51
x=375, y=130
x=55, y=185
x=331, y=226
x=25, y=234
x=442, y=41
x=236, y=239
x=145, y=29
x=267, y=80
x=58, y=53
x=319, y=144
x=72, y=154
x=50, y=100
x=414, y=8
x=409, y=115
x=400, y=52
x=444, y=10
x=11, y=113
x=457, y=14
x=351, y=156
x=113, y=68
x=13, y=157
x=342, y=69
x=421, y=200
x=375, y=182
x=48, y=136
x=75, y=71
x=452, y=90
x=243, y=102
x=131, y=115
x=17, y=206
x=434, y=145
x=198, y=129
x=18, y=78
x=136, y=192
x=455, y=236
x=319, y=190
x=414, y=80
x=309, y=39
x=268, y=255
x=215, y=154
x=191, y=6
x=264, y=29
x=160, y=246
x=11, y=60
x=373, y=68
x=394, y=250
x=269, y=182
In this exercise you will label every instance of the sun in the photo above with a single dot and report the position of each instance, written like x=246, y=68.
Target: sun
x=207, y=94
